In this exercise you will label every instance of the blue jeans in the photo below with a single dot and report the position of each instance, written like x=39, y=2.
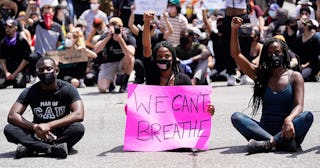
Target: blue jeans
x=252, y=129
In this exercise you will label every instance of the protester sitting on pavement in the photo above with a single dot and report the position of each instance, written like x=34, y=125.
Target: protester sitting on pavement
x=156, y=36
x=193, y=56
x=116, y=49
x=74, y=72
x=307, y=47
x=14, y=55
x=280, y=91
x=161, y=65
x=57, y=112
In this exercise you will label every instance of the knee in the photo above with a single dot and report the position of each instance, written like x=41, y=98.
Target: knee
x=236, y=117
x=308, y=117
x=9, y=130
x=78, y=129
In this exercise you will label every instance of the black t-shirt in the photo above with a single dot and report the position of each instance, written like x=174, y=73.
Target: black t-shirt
x=14, y=54
x=112, y=51
x=49, y=105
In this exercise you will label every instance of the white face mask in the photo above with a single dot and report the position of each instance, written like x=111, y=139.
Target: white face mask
x=272, y=14
x=94, y=6
x=68, y=42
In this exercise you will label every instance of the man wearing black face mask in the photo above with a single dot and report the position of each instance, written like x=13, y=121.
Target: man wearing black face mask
x=193, y=56
x=57, y=112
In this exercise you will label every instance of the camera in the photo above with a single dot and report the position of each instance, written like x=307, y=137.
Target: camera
x=117, y=30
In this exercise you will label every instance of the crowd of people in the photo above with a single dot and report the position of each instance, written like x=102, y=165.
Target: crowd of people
x=245, y=42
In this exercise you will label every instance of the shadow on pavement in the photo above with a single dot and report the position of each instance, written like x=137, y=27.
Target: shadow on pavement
x=232, y=149
x=316, y=148
x=7, y=155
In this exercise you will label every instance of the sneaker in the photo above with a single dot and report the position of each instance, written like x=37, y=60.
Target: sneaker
x=245, y=80
x=82, y=85
x=258, y=146
x=22, y=151
x=59, y=151
x=231, y=80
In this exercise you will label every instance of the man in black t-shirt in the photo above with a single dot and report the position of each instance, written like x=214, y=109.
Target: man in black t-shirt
x=57, y=112
x=14, y=54
x=116, y=50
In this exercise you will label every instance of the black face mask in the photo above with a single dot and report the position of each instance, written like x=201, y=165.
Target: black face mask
x=163, y=65
x=46, y=78
x=184, y=40
x=276, y=60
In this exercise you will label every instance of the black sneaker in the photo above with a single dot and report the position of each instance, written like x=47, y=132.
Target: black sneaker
x=258, y=146
x=22, y=151
x=59, y=151
x=111, y=87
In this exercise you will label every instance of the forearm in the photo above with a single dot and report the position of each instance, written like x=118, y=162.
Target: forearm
x=294, y=113
x=202, y=56
x=131, y=25
x=67, y=120
x=20, y=121
x=234, y=43
x=22, y=65
x=128, y=51
x=100, y=45
x=4, y=66
x=146, y=40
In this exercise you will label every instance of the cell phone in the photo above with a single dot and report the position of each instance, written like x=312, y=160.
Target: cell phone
x=117, y=30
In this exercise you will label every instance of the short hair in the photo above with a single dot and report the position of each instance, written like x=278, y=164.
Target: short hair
x=42, y=59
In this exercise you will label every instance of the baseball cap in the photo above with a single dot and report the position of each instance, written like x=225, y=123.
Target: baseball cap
x=274, y=7
x=116, y=21
x=174, y=2
x=11, y=22
x=304, y=2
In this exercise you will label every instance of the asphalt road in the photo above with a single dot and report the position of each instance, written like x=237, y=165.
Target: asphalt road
x=102, y=145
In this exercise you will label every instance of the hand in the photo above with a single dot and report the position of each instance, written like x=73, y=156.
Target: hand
x=236, y=22
x=186, y=62
x=148, y=16
x=133, y=8
x=9, y=76
x=41, y=130
x=165, y=15
x=211, y=109
x=288, y=130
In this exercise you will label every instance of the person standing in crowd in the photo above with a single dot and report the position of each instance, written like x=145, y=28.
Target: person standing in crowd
x=57, y=112
x=233, y=8
x=161, y=65
x=116, y=50
x=176, y=19
x=64, y=20
x=283, y=124
x=14, y=54
x=49, y=35
x=90, y=14
x=193, y=56
x=122, y=9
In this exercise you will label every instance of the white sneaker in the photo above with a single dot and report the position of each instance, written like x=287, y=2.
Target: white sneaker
x=245, y=80
x=231, y=80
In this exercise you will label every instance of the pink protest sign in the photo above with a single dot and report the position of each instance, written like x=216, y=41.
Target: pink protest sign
x=167, y=117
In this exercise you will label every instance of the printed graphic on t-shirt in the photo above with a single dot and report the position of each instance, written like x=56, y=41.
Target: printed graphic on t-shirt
x=49, y=110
